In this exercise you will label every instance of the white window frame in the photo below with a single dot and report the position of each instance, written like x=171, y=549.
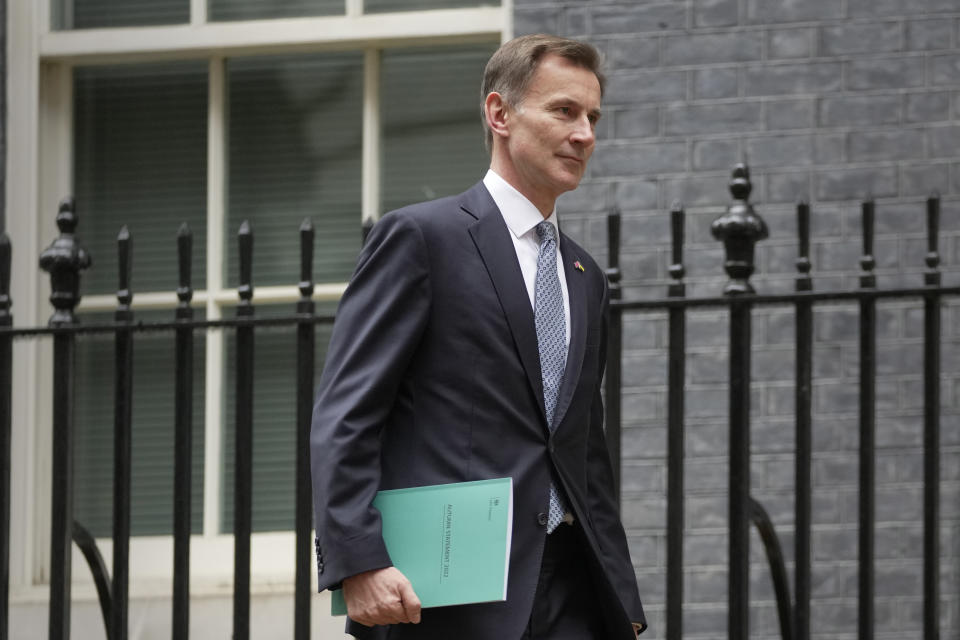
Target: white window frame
x=40, y=172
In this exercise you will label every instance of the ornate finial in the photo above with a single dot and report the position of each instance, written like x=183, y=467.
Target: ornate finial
x=306, y=259
x=124, y=264
x=867, y=279
x=5, y=253
x=739, y=229
x=245, y=242
x=932, y=275
x=184, y=268
x=63, y=260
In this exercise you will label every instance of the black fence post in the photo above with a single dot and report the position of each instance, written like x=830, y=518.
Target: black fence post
x=63, y=260
x=123, y=406
x=804, y=369
x=243, y=458
x=868, y=352
x=739, y=229
x=183, y=438
x=613, y=378
x=6, y=415
x=931, y=429
x=306, y=340
x=676, y=374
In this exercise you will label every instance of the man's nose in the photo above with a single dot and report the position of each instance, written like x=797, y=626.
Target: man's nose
x=583, y=132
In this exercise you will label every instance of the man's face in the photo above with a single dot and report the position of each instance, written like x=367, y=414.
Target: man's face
x=551, y=132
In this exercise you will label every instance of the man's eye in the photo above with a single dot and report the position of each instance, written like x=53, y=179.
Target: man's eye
x=565, y=110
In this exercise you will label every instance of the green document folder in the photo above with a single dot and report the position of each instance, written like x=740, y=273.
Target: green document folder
x=452, y=541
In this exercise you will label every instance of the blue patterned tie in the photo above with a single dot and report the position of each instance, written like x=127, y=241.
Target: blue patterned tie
x=551, y=341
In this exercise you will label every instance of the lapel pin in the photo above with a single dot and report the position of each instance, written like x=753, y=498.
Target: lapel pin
x=578, y=265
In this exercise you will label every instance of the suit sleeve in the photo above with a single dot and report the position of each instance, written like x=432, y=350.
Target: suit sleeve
x=379, y=322
x=604, y=510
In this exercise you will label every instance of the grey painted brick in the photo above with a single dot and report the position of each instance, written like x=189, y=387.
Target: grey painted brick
x=834, y=544
x=716, y=82
x=873, y=8
x=771, y=365
x=589, y=196
x=636, y=122
x=701, y=475
x=705, y=512
x=713, y=118
x=643, y=477
x=899, y=431
x=790, y=43
x=845, y=184
x=644, y=513
x=706, y=403
x=705, y=585
x=790, y=114
x=945, y=69
x=902, y=144
x=764, y=11
x=900, y=218
x=738, y=46
x=701, y=548
x=830, y=581
x=859, y=110
x=885, y=73
x=576, y=22
x=705, y=368
x=944, y=141
x=643, y=370
x=928, y=34
x=634, y=18
x=640, y=158
x=528, y=20
x=788, y=187
x=706, y=330
x=644, y=550
x=696, y=191
x=927, y=106
x=780, y=150
x=639, y=335
x=645, y=264
x=829, y=148
x=631, y=53
x=861, y=37
x=644, y=87
x=646, y=229
x=636, y=194
x=644, y=442
x=703, y=621
x=715, y=13
x=793, y=78
x=715, y=154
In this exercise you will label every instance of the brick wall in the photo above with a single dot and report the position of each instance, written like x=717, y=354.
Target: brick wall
x=828, y=101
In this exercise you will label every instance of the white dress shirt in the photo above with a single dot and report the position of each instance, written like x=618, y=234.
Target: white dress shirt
x=522, y=218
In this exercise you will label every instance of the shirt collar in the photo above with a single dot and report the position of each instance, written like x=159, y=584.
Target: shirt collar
x=519, y=213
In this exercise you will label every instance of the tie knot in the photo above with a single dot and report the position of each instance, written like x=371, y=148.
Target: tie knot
x=545, y=231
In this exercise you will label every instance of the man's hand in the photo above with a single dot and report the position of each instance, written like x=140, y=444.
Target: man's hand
x=381, y=596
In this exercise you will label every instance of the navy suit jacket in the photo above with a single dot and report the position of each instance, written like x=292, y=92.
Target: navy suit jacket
x=433, y=376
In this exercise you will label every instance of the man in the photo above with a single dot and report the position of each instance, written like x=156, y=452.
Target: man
x=470, y=346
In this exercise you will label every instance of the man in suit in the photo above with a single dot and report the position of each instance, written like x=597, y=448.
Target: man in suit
x=470, y=344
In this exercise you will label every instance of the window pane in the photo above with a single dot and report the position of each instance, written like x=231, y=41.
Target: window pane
x=382, y=6
x=140, y=159
x=258, y=9
x=90, y=14
x=274, y=419
x=152, y=432
x=295, y=144
x=432, y=136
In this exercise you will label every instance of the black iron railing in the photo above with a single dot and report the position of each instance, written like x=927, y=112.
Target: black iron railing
x=740, y=228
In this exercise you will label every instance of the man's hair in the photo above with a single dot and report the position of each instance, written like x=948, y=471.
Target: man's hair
x=511, y=68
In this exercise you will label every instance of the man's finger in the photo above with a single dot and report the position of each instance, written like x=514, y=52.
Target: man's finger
x=410, y=602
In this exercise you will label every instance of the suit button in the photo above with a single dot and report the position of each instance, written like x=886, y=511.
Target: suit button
x=542, y=519
x=320, y=567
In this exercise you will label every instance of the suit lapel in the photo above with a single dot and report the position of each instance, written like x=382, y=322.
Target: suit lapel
x=576, y=290
x=492, y=239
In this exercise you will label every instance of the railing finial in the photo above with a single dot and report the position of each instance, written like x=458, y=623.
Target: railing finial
x=932, y=275
x=124, y=271
x=245, y=242
x=306, y=259
x=184, y=265
x=64, y=259
x=803, y=282
x=867, y=261
x=5, y=302
x=739, y=229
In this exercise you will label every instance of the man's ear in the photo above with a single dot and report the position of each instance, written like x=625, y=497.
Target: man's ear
x=496, y=111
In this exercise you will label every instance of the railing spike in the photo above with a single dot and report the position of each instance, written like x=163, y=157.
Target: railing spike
x=6, y=251
x=245, y=242
x=867, y=262
x=184, y=264
x=306, y=258
x=933, y=232
x=677, y=219
x=124, y=270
